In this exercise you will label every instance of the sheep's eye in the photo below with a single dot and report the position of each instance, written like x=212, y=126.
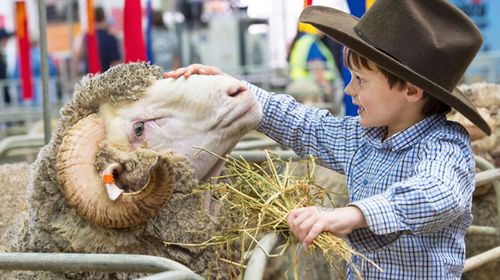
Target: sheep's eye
x=138, y=128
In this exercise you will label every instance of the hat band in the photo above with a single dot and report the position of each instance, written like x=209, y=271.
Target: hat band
x=371, y=43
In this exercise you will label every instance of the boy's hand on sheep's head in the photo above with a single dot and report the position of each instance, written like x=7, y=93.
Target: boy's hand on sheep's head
x=193, y=69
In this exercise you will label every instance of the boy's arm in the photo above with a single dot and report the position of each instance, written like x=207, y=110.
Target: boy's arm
x=308, y=130
x=439, y=191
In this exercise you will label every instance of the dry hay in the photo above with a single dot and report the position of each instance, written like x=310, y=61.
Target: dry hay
x=257, y=200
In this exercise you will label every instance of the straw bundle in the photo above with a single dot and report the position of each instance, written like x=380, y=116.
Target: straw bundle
x=257, y=200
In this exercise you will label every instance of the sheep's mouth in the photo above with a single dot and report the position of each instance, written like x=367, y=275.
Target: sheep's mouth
x=216, y=170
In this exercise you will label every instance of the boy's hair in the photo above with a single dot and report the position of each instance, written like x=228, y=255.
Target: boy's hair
x=431, y=104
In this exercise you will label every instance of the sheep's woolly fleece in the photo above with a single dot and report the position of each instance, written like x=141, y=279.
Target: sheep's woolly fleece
x=124, y=82
x=486, y=98
x=489, y=96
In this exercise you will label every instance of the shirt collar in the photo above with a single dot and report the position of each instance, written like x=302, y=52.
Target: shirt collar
x=403, y=139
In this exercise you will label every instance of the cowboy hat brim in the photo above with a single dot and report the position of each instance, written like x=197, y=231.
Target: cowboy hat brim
x=340, y=26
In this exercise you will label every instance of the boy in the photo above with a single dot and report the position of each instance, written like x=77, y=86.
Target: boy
x=410, y=172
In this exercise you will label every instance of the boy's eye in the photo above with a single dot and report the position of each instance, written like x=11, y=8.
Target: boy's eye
x=359, y=80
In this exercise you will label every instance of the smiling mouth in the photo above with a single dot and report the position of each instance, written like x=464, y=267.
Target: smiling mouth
x=360, y=108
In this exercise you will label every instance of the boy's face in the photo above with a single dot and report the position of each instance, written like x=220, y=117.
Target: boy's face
x=379, y=104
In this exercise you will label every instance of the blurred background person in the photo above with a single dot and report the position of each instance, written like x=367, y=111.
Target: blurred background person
x=164, y=44
x=313, y=71
x=107, y=42
x=4, y=88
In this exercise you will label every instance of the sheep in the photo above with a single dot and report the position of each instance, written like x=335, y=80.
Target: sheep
x=485, y=97
x=138, y=131
x=15, y=175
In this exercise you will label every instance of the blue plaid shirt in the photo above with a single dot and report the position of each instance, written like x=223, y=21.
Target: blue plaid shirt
x=414, y=188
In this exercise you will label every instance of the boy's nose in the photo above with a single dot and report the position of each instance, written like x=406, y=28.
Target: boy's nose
x=349, y=89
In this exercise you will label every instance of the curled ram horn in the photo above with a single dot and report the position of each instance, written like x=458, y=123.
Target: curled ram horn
x=83, y=185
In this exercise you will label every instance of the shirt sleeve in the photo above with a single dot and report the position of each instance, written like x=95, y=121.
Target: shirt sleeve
x=309, y=130
x=439, y=191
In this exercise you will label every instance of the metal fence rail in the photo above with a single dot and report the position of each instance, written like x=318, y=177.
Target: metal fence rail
x=260, y=255
x=94, y=263
x=489, y=174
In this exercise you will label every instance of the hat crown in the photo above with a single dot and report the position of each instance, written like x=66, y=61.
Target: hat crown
x=433, y=38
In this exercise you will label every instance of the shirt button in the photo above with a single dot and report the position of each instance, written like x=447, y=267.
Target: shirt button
x=365, y=181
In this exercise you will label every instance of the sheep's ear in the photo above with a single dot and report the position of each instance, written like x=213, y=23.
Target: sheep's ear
x=85, y=190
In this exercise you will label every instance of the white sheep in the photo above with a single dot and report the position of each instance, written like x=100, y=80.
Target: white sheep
x=136, y=131
x=485, y=97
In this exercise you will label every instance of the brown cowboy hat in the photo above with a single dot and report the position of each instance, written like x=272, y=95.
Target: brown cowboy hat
x=427, y=43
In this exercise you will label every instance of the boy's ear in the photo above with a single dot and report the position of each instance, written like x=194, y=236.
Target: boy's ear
x=414, y=93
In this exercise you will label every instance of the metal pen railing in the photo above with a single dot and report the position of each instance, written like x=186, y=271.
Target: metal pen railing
x=63, y=262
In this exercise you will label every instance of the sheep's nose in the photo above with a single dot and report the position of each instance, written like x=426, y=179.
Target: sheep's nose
x=235, y=91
